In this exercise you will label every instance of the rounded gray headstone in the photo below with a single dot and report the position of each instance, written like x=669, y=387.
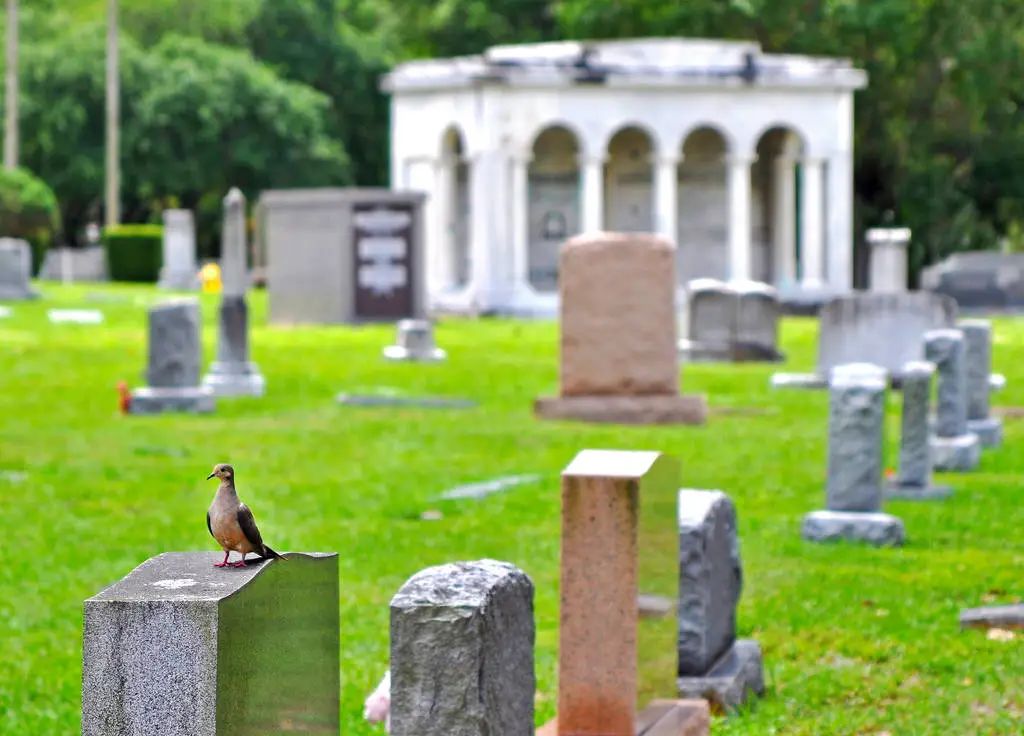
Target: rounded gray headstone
x=856, y=413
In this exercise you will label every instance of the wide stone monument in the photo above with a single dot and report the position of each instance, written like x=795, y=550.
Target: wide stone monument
x=713, y=664
x=414, y=342
x=954, y=446
x=74, y=264
x=978, y=354
x=179, y=270
x=181, y=648
x=619, y=357
x=598, y=624
x=979, y=279
x=233, y=374
x=888, y=253
x=854, y=485
x=462, y=639
x=344, y=255
x=15, y=270
x=175, y=352
x=883, y=329
x=735, y=321
x=914, y=478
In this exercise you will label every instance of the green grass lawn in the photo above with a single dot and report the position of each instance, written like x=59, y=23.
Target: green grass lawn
x=856, y=640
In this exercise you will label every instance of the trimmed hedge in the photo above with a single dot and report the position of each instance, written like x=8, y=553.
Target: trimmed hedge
x=28, y=210
x=134, y=252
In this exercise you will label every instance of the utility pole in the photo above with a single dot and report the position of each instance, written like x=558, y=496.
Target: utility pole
x=11, y=88
x=113, y=168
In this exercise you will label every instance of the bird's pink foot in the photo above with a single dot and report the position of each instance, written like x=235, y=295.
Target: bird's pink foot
x=220, y=564
x=238, y=564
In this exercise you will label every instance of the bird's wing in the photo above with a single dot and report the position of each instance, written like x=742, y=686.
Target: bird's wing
x=248, y=525
x=209, y=525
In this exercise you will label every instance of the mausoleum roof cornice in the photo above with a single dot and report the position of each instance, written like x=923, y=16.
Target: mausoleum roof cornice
x=638, y=63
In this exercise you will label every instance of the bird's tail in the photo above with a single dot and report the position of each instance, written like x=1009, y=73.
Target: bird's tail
x=271, y=554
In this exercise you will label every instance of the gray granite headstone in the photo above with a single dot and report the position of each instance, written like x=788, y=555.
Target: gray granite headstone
x=462, y=638
x=888, y=258
x=854, y=484
x=985, y=279
x=179, y=251
x=914, y=479
x=15, y=270
x=757, y=316
x=174, y=356
x=712, y=313
x=856, y=413
x=978, y=356
x=414, y=341
x=734, y=321
x=181, y=648
x=884, y=329
x=75, y=264
x=953, y=446
x=233, y=373
x=712, y=663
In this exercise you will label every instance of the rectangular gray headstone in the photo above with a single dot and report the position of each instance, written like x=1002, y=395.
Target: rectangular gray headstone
x=987, y=279
x=462, y=639
x=174, y=344
x=179, y=251
x=945, y=348
x=856, y=414
x=884, y=329
x=712, y=312
x=710, y=579
x=180, y=648
x=15, y=269
x=757, y=316
x=915, y=450
x=978, y=358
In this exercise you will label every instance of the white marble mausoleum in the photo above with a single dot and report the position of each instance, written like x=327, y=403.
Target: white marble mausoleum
x=743, y=158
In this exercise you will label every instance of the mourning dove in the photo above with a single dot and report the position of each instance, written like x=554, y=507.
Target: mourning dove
x=230, y=521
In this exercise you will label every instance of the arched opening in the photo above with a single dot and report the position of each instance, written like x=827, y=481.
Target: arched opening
x=554, y=203
x=628, y=189
x=453, y=214
x=775, y=207
x=703, y=229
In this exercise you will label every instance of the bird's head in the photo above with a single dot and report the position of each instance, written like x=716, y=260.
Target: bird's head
x=222, y=471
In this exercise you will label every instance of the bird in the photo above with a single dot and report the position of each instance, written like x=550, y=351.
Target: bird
x=231, y=522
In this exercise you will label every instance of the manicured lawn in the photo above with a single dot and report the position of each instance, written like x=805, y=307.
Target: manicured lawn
x=856, y=640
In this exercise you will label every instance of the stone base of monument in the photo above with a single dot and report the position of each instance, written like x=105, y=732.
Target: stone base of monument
x=915, y=492
x=692, y=351
x=799, y=380
x=989, y=431
x=178, y=280
x=737, y=676
x=993, y=617
x=956, y=454
x=179, y=647
x=402, y=353
x=12, y=293
x=872, y=527
x=194, y=400
x=235, y=379
x=659, y=718
x=668, y=409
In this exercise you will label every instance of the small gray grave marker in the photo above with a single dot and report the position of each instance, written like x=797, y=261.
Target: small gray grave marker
x=978, y=355
x=462, y=639
x=954, y=448
x=15, y=270
x=914, y=480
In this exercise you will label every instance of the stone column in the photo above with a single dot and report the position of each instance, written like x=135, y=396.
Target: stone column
x=978, y=355
x=181, y=648
x=597, y=658
x=233, y=374
x=739, y=217
x=462, y=640
x=442, y=247
x=812, y=205
x=666, y=197
x=488, y=236
x=914, y=480
x=888, y=256
x=178, y=271
x=712, y=663
x=838, y=209
x=954, y=448
x=112, y=200
x=521, y=221
x=784, y=219
x=854, y=485
x=592, y=173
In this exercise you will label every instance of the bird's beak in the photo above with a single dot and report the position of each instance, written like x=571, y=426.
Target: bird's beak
x=210, y=476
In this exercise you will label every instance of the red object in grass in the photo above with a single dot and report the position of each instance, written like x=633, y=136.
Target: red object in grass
x=890, y=473
x=124, y=397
